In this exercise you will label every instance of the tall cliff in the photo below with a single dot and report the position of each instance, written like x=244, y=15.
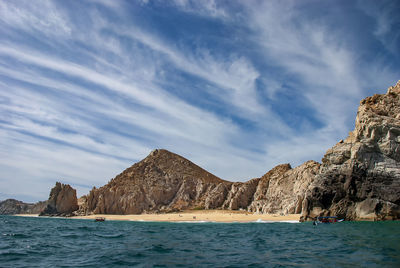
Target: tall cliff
x=360, y=176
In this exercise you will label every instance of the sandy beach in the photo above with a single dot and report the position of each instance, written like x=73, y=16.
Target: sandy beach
x=195, y=216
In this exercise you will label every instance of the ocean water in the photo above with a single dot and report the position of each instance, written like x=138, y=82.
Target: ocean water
x=55, y=242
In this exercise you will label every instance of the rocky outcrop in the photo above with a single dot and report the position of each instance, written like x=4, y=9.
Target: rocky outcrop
x=12, y=206
x=62, y=201
x=282, y=189
x=165, y=182
x=240, y=195
x=360, y=176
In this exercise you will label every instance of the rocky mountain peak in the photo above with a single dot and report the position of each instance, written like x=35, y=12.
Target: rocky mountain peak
x=379, y=115
x=276, y=171
x=163, y=181
x=165, y=164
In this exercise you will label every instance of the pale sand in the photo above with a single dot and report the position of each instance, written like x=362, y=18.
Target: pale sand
x=197, y=216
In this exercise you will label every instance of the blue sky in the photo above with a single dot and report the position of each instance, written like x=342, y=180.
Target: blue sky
x=90, y=87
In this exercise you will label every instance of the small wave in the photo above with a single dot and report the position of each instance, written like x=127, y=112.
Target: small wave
x=161, y=249
x=69, y=236
x=13, y=254
x=17, y=235
x=109, y=235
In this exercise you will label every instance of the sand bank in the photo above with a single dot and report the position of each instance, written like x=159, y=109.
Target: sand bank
x=195, y=216
x=200, y=216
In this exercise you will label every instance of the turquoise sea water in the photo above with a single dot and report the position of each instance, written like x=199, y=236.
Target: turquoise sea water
x=53, y=242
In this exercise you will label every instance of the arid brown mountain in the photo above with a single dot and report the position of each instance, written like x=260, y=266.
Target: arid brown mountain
x=163, y=181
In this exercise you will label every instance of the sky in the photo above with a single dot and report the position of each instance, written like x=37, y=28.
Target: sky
x=88, y=88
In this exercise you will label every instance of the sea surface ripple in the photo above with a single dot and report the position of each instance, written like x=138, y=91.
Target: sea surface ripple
x=57, y=242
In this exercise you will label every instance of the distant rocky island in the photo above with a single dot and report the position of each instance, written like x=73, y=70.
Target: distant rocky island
x=358, y=179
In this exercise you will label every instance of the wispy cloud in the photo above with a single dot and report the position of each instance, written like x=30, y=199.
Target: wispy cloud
x=43, y=17
x=386, y=21
x=208, y=8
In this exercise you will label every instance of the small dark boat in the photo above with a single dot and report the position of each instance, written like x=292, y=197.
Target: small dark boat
x=328, y=219
x=100, y=219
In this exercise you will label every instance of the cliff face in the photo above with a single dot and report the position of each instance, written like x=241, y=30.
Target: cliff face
x=360, y=176
x=282, y=189
x=62, y=201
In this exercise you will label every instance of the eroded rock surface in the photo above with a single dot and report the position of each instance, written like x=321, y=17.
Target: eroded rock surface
x=282, y=189
x=163, y=181
x=62, y=201
x=360, y=176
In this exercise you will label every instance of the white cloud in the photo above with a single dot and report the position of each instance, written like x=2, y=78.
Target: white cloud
x=207, y=8
x=40, y=16
x=324, y=68
x=235, y=77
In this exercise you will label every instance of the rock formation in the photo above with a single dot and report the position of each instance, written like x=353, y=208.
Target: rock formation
x=282, y=189
x=360, y=176
x=163, y=181
x=62, y=201
x=12, y=206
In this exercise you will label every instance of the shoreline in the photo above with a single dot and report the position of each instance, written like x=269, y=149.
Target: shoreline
x=223, y=216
